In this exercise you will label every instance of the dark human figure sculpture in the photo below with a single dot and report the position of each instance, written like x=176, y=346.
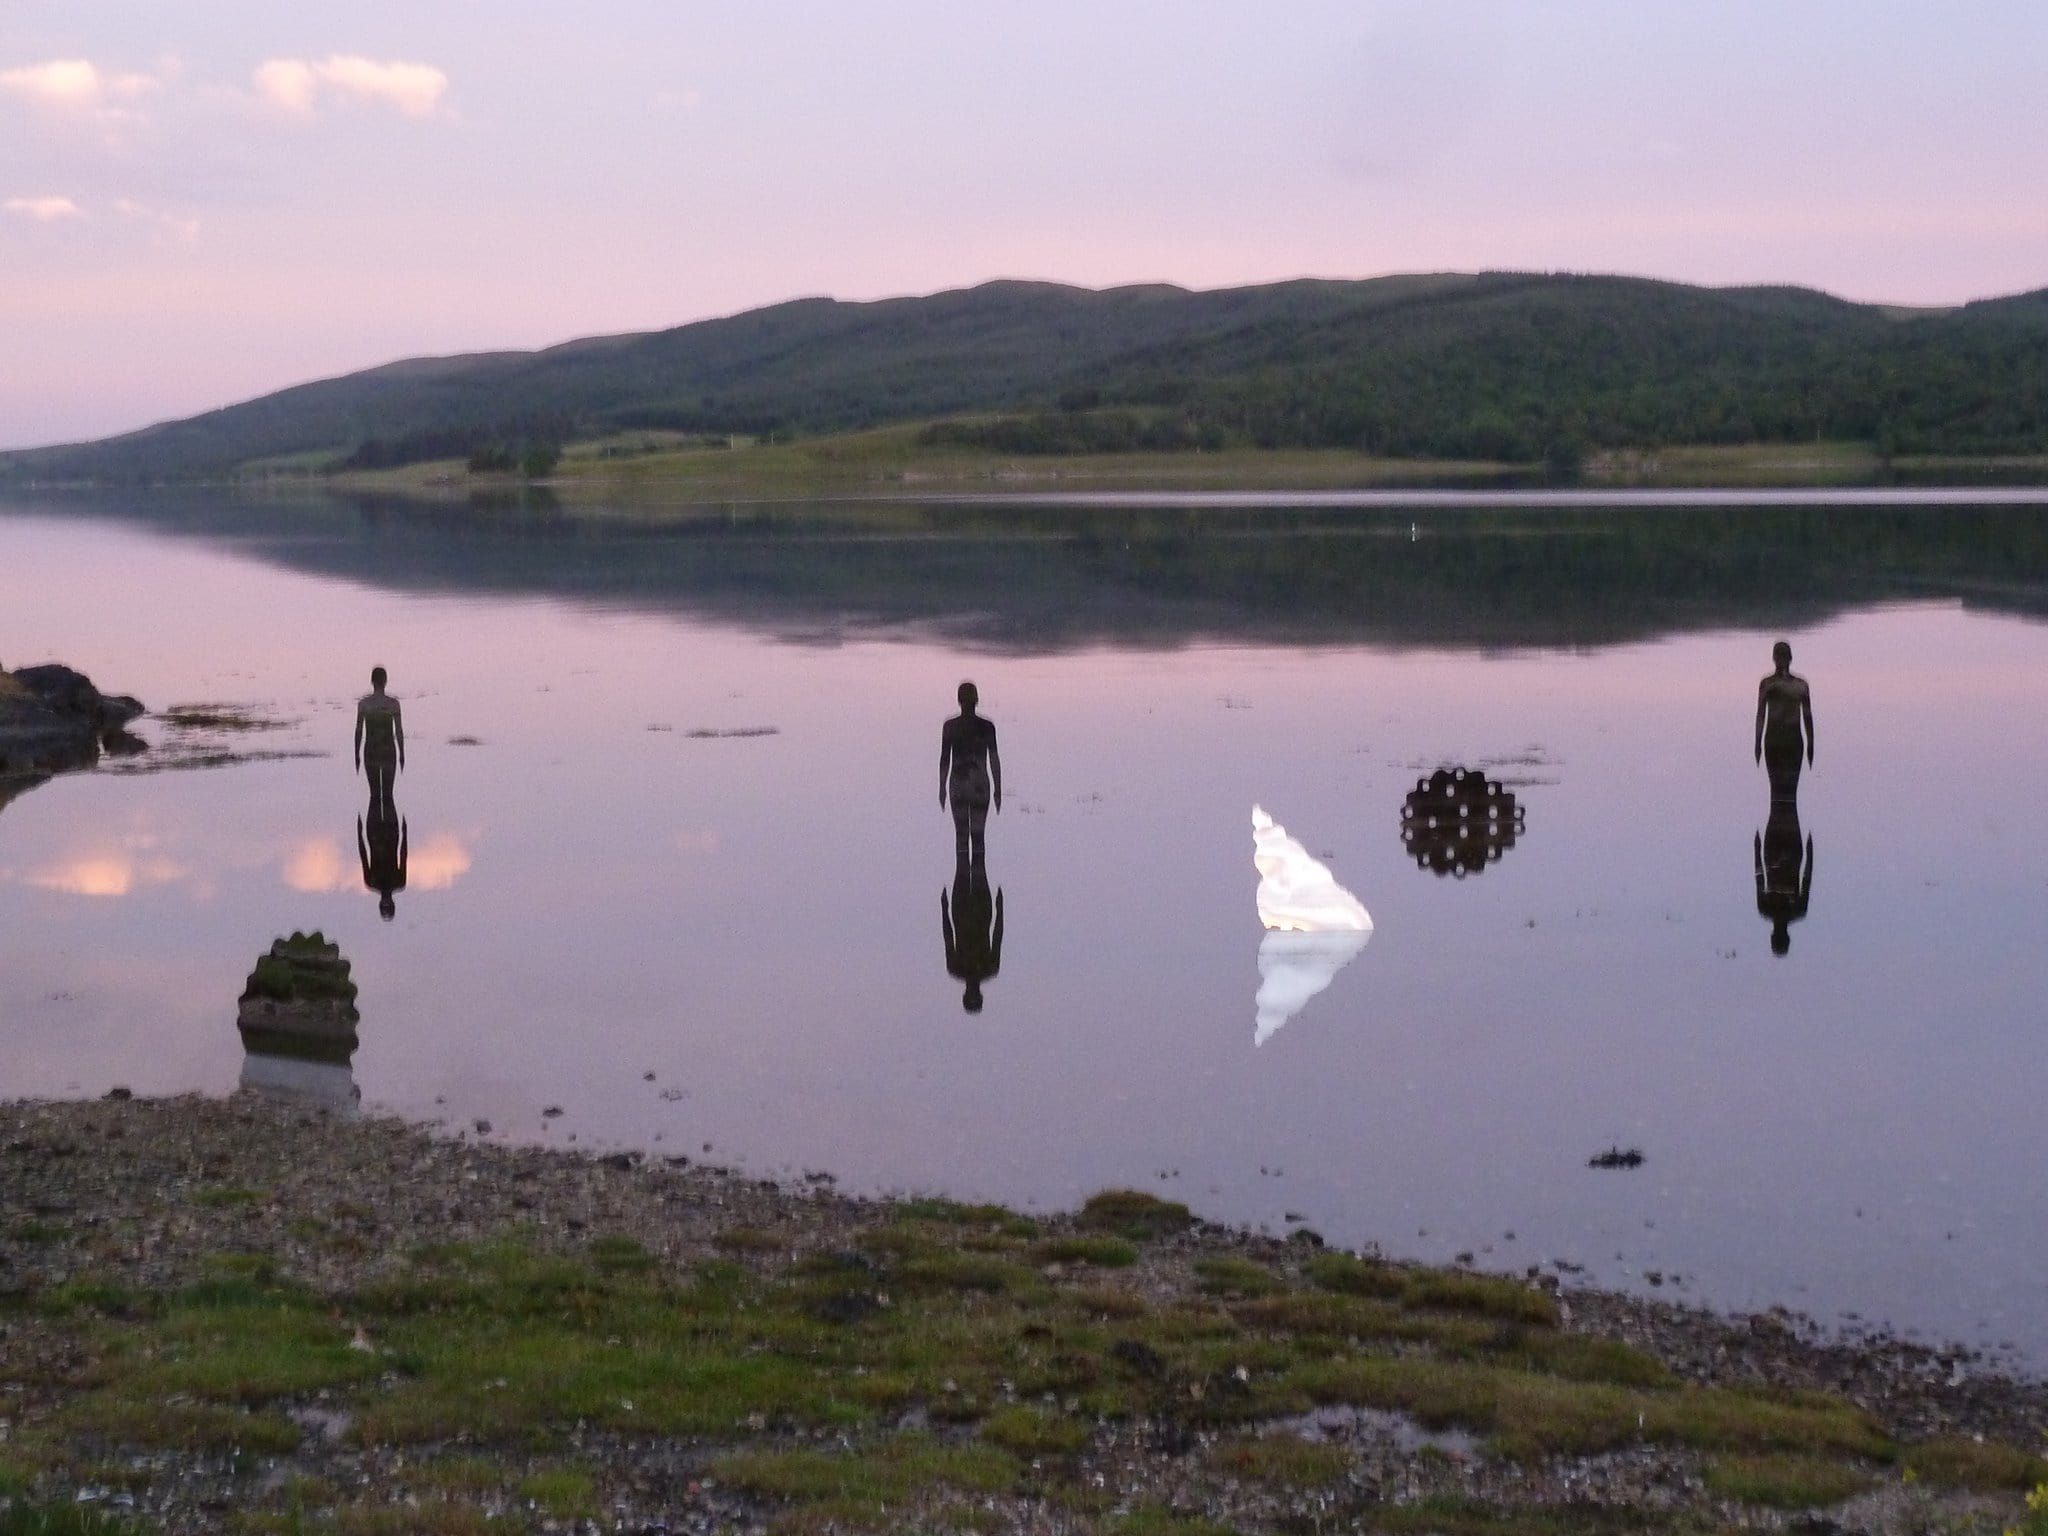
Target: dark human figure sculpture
x=1784, y=871
x=972, y=923
x=381, y=846
x=380, y=740
x=970, y=774
x=1784, y=724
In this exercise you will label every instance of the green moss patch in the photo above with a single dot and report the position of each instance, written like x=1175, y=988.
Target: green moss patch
x=1351, y=1276
x=1279, y=1459
x=1032, y=1432
x=1133, y=1214
x=886, y=1472
x=1103, y=1252
x=1784, y=1482
x=1228, y=1275
x=1952, y=1461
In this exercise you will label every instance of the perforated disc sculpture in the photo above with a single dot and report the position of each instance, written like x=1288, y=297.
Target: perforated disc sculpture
x=1457, y=821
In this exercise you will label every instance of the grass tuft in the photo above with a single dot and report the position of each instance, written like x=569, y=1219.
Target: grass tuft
x=1028, y=1432
x=887, y=1472
x=1954, y=1461
x=1228, y=1275
x=1281, y=1460
x=1103, y=1252
x=1784, y=1481
x=1488, y=1295
x=1134, y=1214
x=1352, y=1276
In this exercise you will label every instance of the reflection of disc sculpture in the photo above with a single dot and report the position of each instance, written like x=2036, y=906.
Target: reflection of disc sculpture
x=1457, y=821
x=298, y=1023
x=1314, y=926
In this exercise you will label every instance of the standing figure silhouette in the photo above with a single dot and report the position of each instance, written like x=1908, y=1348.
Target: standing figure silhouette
x=970, y=774
x=1784, y=724
x=380, y=742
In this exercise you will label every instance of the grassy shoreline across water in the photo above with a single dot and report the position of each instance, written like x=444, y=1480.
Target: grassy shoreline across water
x=241, y=1315
x=662, y=468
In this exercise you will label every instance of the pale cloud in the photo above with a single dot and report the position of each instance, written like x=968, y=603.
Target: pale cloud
x=316, y=865
x=438, y=863
x=295, y=85
x=44, y=210
x=287, y=84
x=166, y=226
x=319, y=864
x=75, y=85
x=109, y=871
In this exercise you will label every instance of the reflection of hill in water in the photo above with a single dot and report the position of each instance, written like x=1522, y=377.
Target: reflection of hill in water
x=1008, y=577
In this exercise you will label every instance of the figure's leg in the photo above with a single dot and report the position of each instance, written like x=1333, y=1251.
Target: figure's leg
x=962, y=814
x=977, y=828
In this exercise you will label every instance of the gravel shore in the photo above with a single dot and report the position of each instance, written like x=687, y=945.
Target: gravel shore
x=143, y=1199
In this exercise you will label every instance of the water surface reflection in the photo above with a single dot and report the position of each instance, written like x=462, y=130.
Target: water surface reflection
x=696, y=840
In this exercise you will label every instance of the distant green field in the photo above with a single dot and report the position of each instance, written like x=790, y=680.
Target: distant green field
x=641, y=467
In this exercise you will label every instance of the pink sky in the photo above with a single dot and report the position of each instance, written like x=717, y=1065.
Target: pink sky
x=198, y=205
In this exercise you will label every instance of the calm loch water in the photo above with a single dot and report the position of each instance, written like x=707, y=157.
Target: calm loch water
x=674, y=860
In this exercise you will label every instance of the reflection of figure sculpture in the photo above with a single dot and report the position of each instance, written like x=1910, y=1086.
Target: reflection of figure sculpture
x=298, y=1024
x=1314, y=926
x=381, y=847
x=1784, y=871
x=972, y=925
x=970, y=773
x=1784, y=724
x=380, y=738
x=1457, y=821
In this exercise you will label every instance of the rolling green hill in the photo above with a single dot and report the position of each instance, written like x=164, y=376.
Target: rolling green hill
x=1489, y=366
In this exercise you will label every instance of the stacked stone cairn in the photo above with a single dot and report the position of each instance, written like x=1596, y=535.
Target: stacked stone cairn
x=300, y=1002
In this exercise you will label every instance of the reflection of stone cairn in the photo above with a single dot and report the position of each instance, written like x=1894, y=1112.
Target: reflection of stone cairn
x=1457, y=821
x=300, y=1002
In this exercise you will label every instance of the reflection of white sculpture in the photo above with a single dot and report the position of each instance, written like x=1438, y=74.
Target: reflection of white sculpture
x=1316, y=927
x=1294, y=967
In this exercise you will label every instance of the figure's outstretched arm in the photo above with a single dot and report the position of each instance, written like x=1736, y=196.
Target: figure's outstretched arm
x=1806, y=718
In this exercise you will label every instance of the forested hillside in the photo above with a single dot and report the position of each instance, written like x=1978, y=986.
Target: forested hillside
x=1495, y=366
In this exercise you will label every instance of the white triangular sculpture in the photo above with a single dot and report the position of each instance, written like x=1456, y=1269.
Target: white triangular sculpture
x=1297, y=892
x=1315, y=926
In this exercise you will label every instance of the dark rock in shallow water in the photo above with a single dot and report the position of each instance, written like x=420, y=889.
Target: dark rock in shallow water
x=1615, y=1157
x=53, y=720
